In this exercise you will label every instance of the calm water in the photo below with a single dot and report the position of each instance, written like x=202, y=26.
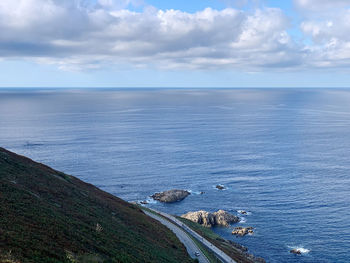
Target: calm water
x=282, y=154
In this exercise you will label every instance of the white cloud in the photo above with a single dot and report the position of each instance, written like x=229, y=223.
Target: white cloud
x=327, y=25
x=319, y=5
x=76, y=34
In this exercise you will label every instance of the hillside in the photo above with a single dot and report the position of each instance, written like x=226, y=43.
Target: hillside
x=48, y=216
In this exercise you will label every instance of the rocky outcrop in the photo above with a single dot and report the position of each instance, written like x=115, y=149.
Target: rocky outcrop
x=223, y=218
x=295, y=251
x=207, y=219
x=243, y=212
x=171, y=196
x=242, y=231
x=203, y=218
x=220, y=187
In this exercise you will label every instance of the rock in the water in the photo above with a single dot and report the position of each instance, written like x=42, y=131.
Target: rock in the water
x=220, y=187
x=222, y=218
x=243, y=212
x=207, y=219
x=295, y=251
x=202, y=193
x=242, y=231
x=171, y=196
x=144, y=202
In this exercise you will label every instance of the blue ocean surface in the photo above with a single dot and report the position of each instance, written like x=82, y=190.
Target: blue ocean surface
x=282, y=154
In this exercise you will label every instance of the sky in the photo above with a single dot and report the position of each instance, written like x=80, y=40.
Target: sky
x=182, y=43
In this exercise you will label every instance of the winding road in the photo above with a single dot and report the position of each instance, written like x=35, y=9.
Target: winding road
x=174, y=223
x=190, y=245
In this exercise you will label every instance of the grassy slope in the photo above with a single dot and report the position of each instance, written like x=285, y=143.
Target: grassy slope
x=48, y=216
x=235, y=251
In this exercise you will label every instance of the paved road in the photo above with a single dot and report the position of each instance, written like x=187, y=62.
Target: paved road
x=219, y=253
x=183, y=236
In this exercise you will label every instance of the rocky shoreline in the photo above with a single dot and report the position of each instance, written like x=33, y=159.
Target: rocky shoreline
x=210, y=219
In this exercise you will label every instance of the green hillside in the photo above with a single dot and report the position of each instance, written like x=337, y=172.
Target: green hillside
x=48, y=216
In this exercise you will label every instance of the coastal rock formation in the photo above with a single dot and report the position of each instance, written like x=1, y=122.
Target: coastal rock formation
x=295, y=251
x=207, y=219
x=220, y=187
x=171, y=196
x=242, y=231
x=203, y=218
x=222, y=218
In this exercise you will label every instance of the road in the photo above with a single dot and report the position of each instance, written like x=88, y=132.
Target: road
x=190, y=245
x=219, y=253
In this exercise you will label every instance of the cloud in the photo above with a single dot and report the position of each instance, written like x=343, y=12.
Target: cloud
x=86, y=34
x=326, y=23
x=78, y=34
x=319, y=5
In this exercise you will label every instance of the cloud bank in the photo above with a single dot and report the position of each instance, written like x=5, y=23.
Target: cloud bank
x=83, y=34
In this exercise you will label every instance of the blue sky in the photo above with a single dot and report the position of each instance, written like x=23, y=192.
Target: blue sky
x=154, y=43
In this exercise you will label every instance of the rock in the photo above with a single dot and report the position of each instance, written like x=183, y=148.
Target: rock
x=144, y=202
x=222, y=218
x=203, y=218
x=202, y=193
x=171, y=196
x=295, y=251
x=220, y=187
x=243, y=212
x=242, y=231
x=207, y=219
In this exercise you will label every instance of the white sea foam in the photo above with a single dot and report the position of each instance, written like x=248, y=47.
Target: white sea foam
x=242, y=220
x=148, y=200
x=194, y=192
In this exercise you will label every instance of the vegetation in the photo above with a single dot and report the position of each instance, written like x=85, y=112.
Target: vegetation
x=49, y=217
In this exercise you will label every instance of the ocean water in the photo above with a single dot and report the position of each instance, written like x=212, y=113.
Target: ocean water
x=282, y=154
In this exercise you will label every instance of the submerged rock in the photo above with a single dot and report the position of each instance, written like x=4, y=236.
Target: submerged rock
x=220, y=187
x=243, y=212
x=144, y=202
x=242, y=231
x=171, y=196
x=295, y=251
x=207, y=219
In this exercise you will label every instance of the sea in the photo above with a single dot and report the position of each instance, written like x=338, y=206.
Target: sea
x=283, y=155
